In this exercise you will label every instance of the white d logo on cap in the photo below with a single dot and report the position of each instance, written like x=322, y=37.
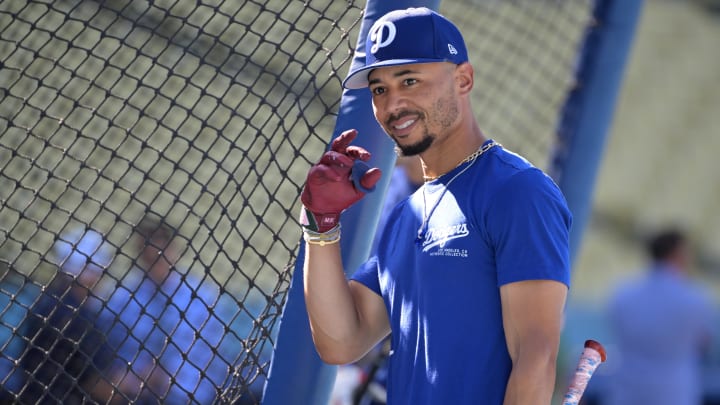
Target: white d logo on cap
x=377, y=33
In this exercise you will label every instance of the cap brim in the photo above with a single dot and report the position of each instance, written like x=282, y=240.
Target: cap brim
x=358, y=79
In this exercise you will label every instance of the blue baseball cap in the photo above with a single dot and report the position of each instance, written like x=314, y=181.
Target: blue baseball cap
x=403, y=37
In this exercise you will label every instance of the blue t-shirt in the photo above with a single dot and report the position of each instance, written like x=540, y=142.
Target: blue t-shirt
x=660, y=324
x=500, y=220
x=179, y=325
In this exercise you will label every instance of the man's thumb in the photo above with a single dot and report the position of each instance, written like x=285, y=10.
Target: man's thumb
x=370, y=178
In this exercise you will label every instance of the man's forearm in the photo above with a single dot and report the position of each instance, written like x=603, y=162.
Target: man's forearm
x=331, y=309
x=532, y=381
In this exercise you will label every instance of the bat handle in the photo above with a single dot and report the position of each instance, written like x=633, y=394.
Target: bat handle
x=593, y=354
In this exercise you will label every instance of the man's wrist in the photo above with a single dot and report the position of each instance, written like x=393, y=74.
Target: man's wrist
x=323, y=238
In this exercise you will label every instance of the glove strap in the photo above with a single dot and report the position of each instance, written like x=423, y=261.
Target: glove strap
x=318, y=223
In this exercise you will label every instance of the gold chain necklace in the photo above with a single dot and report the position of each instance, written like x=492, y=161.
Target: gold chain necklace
x=472, y=158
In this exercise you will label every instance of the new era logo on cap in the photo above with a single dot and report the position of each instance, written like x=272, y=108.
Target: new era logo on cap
x=401, y=37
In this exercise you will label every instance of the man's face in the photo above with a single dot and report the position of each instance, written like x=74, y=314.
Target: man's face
x=415, y=104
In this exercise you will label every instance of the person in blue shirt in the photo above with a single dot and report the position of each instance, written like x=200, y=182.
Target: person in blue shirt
x=170, y=326
x=18, y=295
x=60, y=351
x=661, y=323
x=472, y=270
x=67, y=355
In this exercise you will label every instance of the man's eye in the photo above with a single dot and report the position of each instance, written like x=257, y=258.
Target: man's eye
x=378, y=90
x=410, y=81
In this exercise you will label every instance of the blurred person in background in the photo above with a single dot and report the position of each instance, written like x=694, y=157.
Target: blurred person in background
x=17, y=295
x=66, y=357
x=170, y=329
x=662, y=325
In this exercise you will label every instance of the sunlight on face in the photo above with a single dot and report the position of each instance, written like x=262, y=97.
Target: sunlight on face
x=416, y=104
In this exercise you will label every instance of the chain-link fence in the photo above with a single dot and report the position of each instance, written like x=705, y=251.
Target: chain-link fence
x=151, y=158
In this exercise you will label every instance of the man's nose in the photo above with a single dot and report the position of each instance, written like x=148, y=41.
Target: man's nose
x=396, y=101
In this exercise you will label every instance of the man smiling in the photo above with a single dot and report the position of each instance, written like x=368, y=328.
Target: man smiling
x=472, y=270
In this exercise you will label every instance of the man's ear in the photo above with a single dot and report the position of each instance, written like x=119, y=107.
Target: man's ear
x=465, y=77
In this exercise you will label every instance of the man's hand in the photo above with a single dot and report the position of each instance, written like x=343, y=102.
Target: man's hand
x=329, y=189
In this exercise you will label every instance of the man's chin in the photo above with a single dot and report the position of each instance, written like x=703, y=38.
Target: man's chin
x=415, y=148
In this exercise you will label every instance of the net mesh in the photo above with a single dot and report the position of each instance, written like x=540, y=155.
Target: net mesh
x=151, y=158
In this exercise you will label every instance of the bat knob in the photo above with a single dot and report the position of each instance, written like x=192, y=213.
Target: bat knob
x=595, y=345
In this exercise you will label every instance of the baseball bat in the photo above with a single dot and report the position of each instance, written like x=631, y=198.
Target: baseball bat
x=593, y=354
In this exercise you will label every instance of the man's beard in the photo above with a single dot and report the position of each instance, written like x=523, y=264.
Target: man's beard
x=446, y=112
x=416, y=148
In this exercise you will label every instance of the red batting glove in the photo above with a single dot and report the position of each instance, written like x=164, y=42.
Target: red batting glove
x=329, y=189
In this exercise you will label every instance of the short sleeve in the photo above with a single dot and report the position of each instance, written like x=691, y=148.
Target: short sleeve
x=529, y=224
x=367, y=275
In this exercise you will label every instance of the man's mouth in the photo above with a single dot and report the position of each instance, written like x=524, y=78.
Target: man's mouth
x=401, y=123
x=405, y=124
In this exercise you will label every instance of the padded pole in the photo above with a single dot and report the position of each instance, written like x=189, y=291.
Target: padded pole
x=297, y=375
x=587, y=114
